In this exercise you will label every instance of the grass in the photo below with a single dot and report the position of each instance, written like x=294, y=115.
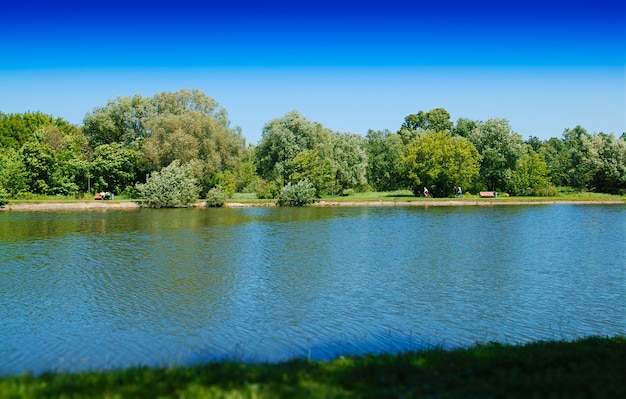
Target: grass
x=592, y=367
x=390, y=196
x=407, y=196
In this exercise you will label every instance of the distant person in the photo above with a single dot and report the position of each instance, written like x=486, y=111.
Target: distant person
x=426, y=193
x=459, y=192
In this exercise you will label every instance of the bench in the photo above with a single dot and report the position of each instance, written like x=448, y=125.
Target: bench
x=488, y=194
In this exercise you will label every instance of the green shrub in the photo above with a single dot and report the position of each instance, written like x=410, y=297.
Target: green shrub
x=226, y=180
x=300, y=194
x=268, y=190
x=216, y=197
x=173, y=187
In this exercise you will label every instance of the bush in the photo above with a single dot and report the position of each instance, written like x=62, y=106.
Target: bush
x=216, y=197
x=268, y=190
x=173, y=187
x=300, y=194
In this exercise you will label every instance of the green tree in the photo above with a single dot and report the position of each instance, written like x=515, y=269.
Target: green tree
x=114, y=168
x=530, y=175
x=13, y=173
x=558, y=161
x=440, y=161
x=349, y=161
x=284, y=138
x=38, y=160
x=384, y=153
x=174, y=186
x=310, y=166
x=436, y=120
x=191, y=127
x=123, y=120
x=17, y=129
x=577, y=142
x=606, y=162
x=500, y=149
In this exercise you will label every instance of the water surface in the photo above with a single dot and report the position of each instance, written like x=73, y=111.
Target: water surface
x=99, y=290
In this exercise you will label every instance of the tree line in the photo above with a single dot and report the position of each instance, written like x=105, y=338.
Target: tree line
x=129, y=142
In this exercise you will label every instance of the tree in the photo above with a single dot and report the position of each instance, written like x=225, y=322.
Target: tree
x=558, y=161
x=384, y=167
x=606, y=163
x=13, y=173
x=123, y=120
x=440, y=161
x=437, y=120
x=17, y=129
x=310, y=166
x=172, y=187
x=38, y=160
x=193, y=128
x=284, y=138
x=349, y=161
x=530, y=175
x=114, y=168
x=500, y=149
x=577, y=142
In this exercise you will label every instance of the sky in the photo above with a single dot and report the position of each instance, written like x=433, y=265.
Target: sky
x=350, y=65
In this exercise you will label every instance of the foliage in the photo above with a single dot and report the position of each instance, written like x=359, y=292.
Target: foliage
x=172, y=187
x=187, y=125
x=500, y=149
x=309, y=165
x=17, y=129
x=13, y=173
x=530, y=176
x=216, y=197
x=587, y=367
x=226, y=180
x=268, y=189
x=284, y=138
x=384, y=152
x=299, y=194
x=349, y=161
x=440, y=161
x=436, y=120
x=606, y=163
x=4, y=197
x=122, y=120
x=114, y=167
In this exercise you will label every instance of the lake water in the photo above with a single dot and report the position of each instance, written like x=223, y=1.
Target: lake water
x=101, y=290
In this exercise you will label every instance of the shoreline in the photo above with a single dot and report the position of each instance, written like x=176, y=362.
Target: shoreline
x=132, y=205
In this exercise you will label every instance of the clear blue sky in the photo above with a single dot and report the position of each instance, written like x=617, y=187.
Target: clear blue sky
x=350, y=65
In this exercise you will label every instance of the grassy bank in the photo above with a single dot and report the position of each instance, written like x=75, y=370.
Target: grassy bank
x=407, y=196
x=587, y=368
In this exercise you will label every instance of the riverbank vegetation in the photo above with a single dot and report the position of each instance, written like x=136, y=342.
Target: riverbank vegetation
x=591, y=367
x=124, y=144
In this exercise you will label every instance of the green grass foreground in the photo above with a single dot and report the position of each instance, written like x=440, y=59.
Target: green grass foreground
x=592, y=367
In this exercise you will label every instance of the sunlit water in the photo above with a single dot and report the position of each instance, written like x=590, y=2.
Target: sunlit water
x=101, y=290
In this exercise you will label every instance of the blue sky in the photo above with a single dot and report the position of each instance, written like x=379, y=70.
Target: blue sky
x=352, y=66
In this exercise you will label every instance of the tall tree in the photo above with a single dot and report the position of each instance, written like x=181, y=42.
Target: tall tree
x=500, y=149
x=437, y=120
x=284, y=138
x=384, y=152
x=123, y=120
x=349, y=161
x=440, y=161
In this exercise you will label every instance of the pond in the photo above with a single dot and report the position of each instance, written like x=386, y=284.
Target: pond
x=112, y=289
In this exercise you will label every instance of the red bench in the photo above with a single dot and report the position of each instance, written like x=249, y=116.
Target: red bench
x=488, y=194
